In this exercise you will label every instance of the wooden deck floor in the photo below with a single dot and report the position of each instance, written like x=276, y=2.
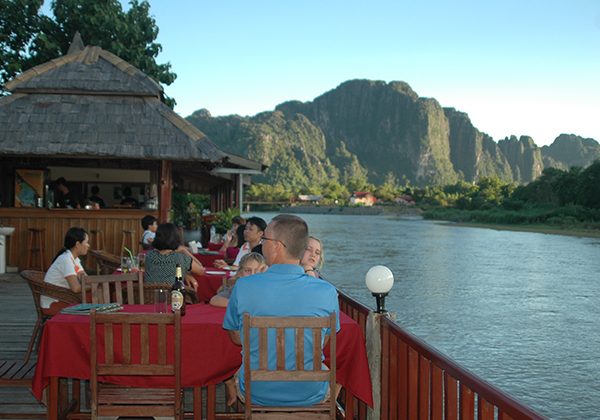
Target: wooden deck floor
x=17, y=318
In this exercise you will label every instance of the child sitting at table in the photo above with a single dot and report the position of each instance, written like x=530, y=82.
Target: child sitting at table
x=251, y=263
x=150, y=224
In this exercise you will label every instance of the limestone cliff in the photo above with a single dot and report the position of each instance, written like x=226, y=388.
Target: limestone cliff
x=378, y=127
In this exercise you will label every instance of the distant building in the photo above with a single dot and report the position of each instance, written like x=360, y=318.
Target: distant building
x=306, y=198
x=363, y=198
x=406, y=200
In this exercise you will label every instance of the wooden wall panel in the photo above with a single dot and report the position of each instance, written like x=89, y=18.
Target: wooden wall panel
x=57, y=221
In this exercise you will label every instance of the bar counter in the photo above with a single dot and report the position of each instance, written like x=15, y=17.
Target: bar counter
x=56, y=222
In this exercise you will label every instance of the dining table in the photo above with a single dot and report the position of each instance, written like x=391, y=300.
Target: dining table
x=210, y=282
x=208, y=356
x=207, y=258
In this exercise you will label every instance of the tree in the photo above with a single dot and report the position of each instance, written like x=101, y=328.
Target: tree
x=390, y=189
x=589, y=186
x=19, y=22
x=130, y=35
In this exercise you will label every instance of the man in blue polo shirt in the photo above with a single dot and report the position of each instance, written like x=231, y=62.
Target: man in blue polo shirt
x=283, y=290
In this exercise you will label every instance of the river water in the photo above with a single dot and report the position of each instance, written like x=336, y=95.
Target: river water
x=518, y=309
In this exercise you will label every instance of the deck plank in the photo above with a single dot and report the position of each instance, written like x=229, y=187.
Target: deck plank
x=17, y=318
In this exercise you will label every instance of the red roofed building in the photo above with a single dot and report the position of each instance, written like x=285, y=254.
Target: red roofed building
x=363, y=198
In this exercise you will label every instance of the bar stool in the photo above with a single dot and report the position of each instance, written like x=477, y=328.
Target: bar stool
x=35, y=248
x=127, y=241
x=97, y=239
x=97, y=243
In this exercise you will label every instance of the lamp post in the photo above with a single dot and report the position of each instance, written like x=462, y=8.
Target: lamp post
x=379, y=280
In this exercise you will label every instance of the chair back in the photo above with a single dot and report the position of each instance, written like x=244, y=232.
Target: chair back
x=121, y=357
x=107, y=262
x=110, y=288
x=281, y=373
x=35, y=280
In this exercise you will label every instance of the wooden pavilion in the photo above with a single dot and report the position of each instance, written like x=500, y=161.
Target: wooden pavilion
x=94, y=119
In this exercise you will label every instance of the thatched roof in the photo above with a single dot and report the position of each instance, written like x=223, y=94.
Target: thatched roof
x=92, y=103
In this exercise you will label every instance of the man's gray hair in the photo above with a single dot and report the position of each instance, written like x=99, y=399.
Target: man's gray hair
x=293, y=232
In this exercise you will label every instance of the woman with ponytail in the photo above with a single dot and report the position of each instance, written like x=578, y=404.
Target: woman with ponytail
x=66, y=269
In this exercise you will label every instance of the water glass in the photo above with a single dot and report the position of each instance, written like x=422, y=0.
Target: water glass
x=125, y=264
x=134, y=264
x=161, y=301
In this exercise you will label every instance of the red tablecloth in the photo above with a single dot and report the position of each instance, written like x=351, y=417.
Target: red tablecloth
x=208, y=355
x=207, y=260
x=208, y=284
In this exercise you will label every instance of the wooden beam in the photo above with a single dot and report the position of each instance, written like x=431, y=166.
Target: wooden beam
x=166, y=188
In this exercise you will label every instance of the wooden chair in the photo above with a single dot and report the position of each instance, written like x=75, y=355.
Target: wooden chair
x=109, y=288
x=35, y=280
x=325, y=410
x=106, y=261
x=114, y=400
x=13, y=374
x=128, y=241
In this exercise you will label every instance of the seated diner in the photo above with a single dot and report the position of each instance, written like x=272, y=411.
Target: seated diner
x=251, y=263
x=66, y=269
x=253, y=234
x=169, y=251
x=313, y=258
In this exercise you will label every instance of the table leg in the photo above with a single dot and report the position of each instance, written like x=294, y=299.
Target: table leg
x=53, y=398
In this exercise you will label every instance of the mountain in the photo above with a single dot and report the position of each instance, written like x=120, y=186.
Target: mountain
x=571, y=150
x=374, y=128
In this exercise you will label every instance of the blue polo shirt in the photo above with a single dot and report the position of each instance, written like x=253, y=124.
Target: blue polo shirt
x=283, y=290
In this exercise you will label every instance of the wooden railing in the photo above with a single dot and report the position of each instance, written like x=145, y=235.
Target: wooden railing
x=418, y=382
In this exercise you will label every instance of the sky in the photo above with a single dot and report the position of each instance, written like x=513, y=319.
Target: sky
x=516, y=67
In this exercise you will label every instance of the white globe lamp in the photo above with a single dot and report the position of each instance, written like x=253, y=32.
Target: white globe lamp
x=379, y=280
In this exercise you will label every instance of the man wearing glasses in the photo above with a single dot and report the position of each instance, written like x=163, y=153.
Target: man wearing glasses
x=283, y=290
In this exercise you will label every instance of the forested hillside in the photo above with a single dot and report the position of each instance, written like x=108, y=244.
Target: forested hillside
x=371, y=132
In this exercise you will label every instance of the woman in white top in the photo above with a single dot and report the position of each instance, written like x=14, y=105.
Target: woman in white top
x=66, y=269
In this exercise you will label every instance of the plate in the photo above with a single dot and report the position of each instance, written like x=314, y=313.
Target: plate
x=215, y=273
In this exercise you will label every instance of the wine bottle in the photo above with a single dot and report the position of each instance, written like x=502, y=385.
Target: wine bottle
x=177, y=292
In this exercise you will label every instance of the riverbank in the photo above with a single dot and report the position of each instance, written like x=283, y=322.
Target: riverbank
x=550, y=230
x=568, y=220
x=354, y=210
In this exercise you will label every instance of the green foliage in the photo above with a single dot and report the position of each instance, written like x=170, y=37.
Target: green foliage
x=557, y=198
x=19, y=21
x=223, y=221
x=390, y=188
x=269, y=193
x=181, y=214
x=130, y=35
x=588, y=191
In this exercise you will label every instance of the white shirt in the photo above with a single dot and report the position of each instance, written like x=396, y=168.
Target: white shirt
x=148, y=237
x=65, y=265
x=245, y=249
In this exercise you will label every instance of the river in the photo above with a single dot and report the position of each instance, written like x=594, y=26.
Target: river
x=518, y=309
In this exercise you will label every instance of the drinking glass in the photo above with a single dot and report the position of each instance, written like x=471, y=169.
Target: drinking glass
x=134, y=267
x=125, y=264
x=161, y=303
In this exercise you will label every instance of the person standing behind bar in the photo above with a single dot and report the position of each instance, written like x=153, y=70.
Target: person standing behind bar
x=95, y=198
x=66, y=198
x=128, y=199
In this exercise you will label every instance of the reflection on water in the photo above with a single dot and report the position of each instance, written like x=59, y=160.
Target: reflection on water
x=518, y=309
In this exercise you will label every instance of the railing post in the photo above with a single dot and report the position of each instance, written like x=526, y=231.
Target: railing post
x=373, y=338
